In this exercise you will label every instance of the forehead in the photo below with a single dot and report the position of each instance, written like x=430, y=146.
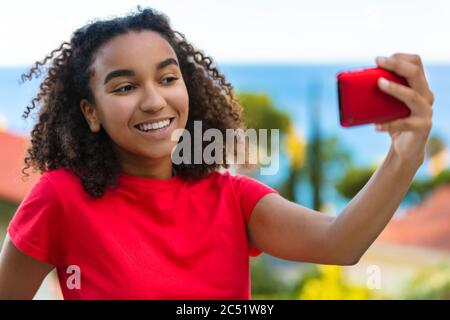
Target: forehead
x=133, y=48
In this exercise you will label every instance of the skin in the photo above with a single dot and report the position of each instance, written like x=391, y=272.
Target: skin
x=290, y=231
x=277, y=226
x=149, y=94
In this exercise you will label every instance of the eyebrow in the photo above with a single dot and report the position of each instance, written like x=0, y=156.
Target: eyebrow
x=130, y=73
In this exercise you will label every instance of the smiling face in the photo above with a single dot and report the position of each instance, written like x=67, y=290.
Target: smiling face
x=140, y=97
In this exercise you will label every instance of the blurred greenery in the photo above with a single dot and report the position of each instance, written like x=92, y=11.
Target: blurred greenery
x=356, y=177
x=315, y=282
x=266, y=284
x=353, y=180
x=330, y=285
x=435, y=145
x=295, y=148
x=429, y=284
x=259, y=112
x=335, y=160
x=7, y=210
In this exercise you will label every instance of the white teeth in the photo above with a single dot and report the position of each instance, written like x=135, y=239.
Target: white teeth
x=154, y=125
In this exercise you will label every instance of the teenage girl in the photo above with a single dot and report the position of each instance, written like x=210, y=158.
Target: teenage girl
x=119, y=220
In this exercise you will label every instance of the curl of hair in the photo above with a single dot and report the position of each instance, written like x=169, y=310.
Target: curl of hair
x=61, y=137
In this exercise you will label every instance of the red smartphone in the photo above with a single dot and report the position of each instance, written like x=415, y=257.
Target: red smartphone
x=362, y=102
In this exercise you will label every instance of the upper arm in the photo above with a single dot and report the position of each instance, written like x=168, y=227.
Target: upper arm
x=20, y=274
x=289, y=231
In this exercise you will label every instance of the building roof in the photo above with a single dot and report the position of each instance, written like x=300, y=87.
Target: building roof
x=13, y=149
x=426, y=225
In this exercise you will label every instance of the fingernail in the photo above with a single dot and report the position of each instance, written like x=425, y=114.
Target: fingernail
x=383, y=82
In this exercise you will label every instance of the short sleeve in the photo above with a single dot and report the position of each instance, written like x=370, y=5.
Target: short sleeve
x=37, y=227
x=248, y=192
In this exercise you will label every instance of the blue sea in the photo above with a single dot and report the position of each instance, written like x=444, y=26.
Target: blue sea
x=293, y=88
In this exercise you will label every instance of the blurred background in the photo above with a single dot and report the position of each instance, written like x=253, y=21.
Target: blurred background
x=282, y=58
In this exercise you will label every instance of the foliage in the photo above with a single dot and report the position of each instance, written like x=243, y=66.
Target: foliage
x=434, y=146
x=432, y=283
x=260, y=113
x=266, y=284
x=7, y=210
x=356, y=177
x=353, y=180
x=330, y=285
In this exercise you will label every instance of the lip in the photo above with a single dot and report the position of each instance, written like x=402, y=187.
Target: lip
x=160, y=133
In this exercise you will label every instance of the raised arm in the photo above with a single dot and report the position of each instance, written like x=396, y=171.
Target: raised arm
x=20, y=274
x=289, y=231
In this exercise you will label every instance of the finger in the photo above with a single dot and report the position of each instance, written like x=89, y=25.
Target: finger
x=413, y=73
x=408, y=124
x=410, y=97
x=413, y=58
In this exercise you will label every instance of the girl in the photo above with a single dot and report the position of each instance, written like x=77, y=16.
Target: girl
x=119, y=220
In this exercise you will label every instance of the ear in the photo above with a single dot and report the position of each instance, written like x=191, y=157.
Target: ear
x=90, y=114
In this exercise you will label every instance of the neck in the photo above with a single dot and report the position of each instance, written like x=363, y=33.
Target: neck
x=160, y=169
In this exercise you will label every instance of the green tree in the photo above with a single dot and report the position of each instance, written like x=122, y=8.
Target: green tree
x=335, y=159
x=353, y=180
x=356, y=177
x=259, y=112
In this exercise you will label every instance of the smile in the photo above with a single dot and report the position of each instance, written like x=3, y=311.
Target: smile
x=154, y=126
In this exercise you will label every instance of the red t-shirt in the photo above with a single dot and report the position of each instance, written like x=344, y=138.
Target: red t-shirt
x=145, y=239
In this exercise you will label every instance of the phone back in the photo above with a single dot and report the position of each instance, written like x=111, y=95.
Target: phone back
x=362, y=102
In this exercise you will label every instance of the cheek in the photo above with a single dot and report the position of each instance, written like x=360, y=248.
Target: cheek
x=179, y=99
x=116, y=112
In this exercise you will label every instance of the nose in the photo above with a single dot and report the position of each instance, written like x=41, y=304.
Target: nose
x=152, y=100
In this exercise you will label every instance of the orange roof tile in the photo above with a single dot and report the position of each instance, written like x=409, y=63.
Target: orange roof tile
x=13, y=150
x=427, y=225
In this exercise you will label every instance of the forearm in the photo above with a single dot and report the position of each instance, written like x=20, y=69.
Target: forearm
x=20, y=274
x=363, y=219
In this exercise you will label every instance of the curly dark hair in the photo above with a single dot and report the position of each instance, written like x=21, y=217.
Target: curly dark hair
x=61, y=137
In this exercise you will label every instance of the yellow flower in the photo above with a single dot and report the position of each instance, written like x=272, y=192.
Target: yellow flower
x=331, y=286
x=295, y=147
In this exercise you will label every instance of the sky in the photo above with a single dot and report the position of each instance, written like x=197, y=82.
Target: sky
x=248, y=31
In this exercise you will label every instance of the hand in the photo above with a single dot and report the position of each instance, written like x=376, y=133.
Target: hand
x=408, y=135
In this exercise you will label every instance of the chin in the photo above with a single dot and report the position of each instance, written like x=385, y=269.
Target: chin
x=159, y=152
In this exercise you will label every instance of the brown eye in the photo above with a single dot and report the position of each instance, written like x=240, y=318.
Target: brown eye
x=124, y=89
x=172, y=79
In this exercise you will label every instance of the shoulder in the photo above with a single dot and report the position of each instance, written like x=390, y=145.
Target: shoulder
x=60, y=183
x=61, y=179
x=60, y=175
x=46, y=190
